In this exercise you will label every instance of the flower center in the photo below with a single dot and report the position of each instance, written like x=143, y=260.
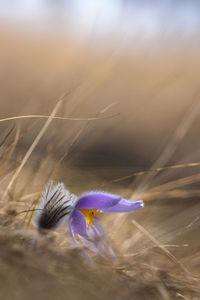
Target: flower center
x=90, y=215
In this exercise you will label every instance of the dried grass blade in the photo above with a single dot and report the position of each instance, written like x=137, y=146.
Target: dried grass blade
x=32, y=147
x=58, y=118
x=154, y=241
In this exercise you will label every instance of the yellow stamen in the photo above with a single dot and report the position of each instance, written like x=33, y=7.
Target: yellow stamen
x=90, y=215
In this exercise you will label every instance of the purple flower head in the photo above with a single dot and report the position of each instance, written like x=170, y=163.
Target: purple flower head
x=82, y=214
x=84, y=220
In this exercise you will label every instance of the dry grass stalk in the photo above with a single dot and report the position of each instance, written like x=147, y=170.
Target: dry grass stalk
x=32, y=147
x=166, y=251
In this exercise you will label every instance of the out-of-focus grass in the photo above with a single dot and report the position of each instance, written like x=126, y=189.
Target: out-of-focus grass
x=158, y=253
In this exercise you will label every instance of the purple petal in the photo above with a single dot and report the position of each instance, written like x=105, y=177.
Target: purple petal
x=95, y=242
x=74, y=240
x=78, y=223
x=70, y=231
x=105, y=250
x=124, y=206
x=97, y=200
x=90, y=244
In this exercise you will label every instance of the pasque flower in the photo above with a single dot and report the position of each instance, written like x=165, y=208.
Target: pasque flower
x=83, y=214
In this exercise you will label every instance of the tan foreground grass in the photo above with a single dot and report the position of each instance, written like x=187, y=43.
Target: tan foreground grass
x=46, y=270
x=157, y=259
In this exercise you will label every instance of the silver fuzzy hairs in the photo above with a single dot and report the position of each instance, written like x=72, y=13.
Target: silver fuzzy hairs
x=55, y=205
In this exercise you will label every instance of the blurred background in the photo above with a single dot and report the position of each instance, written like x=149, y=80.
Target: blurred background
x=135, y=64
x=140, y=57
